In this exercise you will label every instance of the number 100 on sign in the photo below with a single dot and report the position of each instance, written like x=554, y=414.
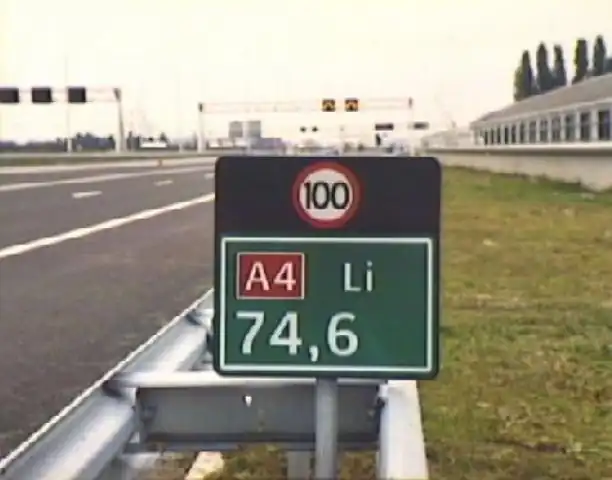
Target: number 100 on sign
x=326, y=195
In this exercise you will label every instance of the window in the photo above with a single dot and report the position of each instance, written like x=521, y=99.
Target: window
x=603, y=125
x=543, y=130
x=585, y=126
x=555, y=129
x=506, y=135
x=485, y=137
x=570, y=127
x=532, y=131
x=521, y=133
x=498, y=135
x=513, y=134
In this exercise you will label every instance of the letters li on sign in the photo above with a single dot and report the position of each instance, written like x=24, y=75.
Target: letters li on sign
x=327, y=266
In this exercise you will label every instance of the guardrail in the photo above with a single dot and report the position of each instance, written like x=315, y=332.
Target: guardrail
x=589, y=164
x=164, y=397
x=23, y=158
x=84, y=439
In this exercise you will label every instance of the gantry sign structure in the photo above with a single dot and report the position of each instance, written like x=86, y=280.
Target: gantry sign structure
x=325, y=105
x=69, y=95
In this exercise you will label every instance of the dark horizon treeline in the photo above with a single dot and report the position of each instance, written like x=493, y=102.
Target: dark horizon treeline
x=530, y=81
x=88, y=142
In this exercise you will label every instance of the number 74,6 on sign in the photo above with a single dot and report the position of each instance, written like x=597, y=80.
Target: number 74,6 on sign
x=340, y=340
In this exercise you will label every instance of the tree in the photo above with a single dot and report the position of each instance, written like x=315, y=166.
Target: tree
x=559, y=73
x=581, y=61
x=519, y=88
x=524, y=83
x=599, y=56
x=544, y=76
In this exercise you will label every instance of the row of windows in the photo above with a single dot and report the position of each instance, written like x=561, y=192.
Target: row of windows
x=558, y=128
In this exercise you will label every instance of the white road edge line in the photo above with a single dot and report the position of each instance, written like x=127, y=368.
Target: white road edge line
x=93, y=193
x=163, y=182
x=106, y=225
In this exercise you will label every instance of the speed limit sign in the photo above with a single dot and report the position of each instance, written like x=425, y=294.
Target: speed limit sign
x=326, y=195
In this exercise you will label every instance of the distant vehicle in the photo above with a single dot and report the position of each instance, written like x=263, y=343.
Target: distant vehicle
x=154, y=145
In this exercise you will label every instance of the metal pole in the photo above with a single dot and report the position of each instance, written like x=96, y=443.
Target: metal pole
x=67, y=111
x=200, y=147
x=326, y=429
x=120, y=145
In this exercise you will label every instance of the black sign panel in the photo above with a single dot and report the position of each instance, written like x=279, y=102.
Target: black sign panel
x=398, y=196
x=42, y=95
x=9, y=95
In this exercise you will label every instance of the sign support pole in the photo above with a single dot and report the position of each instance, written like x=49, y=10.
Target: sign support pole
x=326, y=428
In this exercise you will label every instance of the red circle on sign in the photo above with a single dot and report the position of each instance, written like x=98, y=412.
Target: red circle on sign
x=351, y=180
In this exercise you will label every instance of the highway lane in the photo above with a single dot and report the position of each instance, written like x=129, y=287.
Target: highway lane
x=70, y=311
x=31, y=213
x=52, y=175
x=59, y=172
x=100, y=165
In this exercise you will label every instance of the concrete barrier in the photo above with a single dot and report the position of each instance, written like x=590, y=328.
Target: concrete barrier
x=34, y=159
x=589, y=164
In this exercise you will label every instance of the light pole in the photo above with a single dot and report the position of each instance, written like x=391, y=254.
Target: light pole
x=67, y=125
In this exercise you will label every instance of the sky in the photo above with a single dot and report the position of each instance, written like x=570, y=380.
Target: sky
x=454, y=58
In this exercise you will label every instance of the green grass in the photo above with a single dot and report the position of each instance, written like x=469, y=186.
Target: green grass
x=525, y=390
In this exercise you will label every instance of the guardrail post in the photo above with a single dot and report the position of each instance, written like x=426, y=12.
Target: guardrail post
x=326, y=428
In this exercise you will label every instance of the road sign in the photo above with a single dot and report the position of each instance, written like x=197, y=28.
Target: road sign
x=351, y=105
x=326, y=194
x=420, y=125
x=383, y=127
x=327, y=266
x=328, y=105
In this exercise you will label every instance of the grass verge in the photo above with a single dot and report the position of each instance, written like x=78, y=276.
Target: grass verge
x=525, y=390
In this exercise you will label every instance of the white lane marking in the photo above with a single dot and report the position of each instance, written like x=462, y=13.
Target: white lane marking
x=209, y=175
x=163, y=182
x=92, y=193
x=106, y=225
x=98, y=178
x=17, y=186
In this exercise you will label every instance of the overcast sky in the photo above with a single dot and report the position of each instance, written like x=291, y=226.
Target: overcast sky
x=454, y=57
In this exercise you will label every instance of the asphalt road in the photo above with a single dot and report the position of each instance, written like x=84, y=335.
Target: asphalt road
x=70, y=308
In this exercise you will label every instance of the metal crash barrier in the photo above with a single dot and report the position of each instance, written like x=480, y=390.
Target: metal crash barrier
x=151, y=402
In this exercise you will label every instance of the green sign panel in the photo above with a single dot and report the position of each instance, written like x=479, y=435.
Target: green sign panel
x=327, y=306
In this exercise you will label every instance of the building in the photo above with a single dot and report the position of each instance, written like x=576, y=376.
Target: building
x=253, y=129
x=576, y=113
x=235, y=130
